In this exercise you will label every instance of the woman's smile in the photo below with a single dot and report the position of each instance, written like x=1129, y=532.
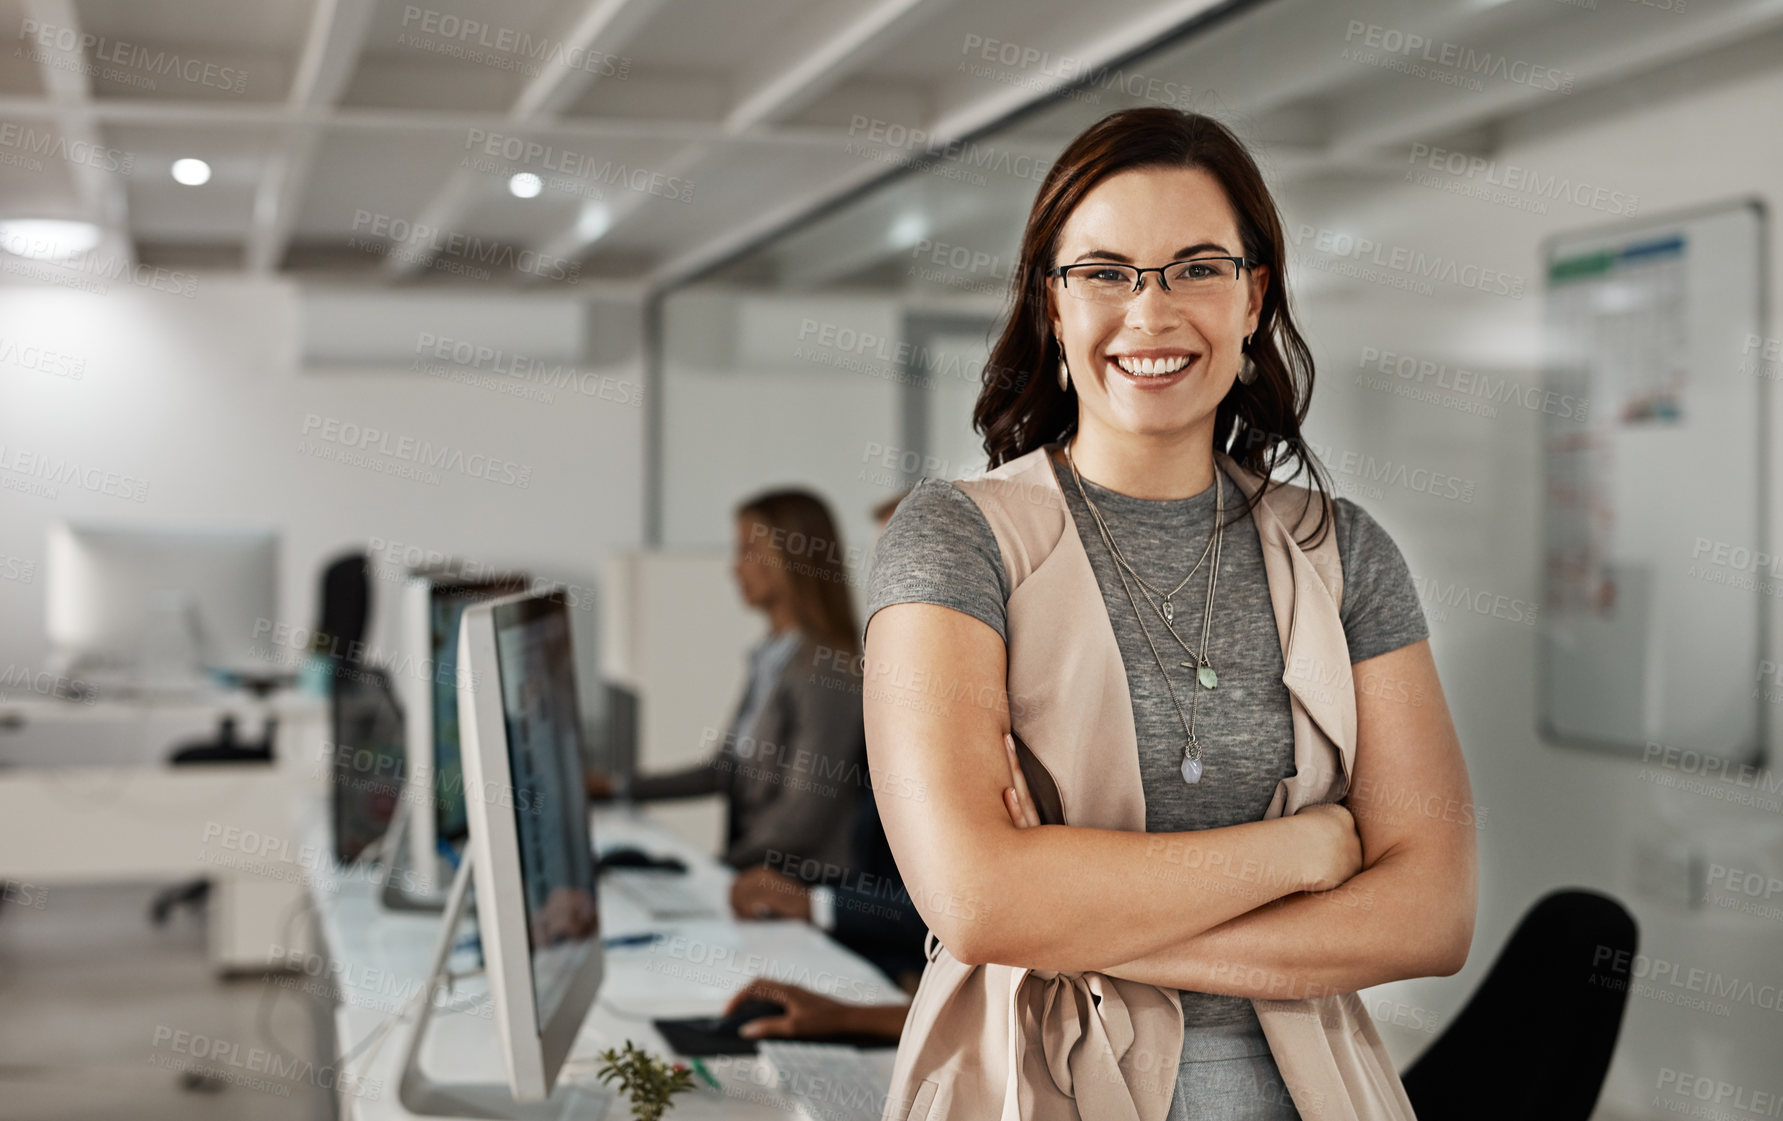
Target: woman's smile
x=1152, y=369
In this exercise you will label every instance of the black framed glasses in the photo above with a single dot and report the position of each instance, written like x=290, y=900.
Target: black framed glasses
x=1106, y=283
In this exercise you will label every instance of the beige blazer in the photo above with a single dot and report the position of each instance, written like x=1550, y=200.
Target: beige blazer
x=999, y=1041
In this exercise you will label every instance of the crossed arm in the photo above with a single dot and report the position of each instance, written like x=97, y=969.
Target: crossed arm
x=1245, y=910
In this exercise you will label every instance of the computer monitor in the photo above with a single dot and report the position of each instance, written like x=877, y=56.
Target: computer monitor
x=619, y=747
x=529, y=835
x=128, y=605
x=433, y=602
x=367, y=777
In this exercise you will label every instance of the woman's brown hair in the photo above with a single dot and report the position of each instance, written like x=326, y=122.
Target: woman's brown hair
x=1021, y=408
x=801, y=531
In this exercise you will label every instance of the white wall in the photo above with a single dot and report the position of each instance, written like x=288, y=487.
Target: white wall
x=783, y=391
x=204, y=401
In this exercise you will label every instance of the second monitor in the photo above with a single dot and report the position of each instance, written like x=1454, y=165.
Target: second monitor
x=433, y=604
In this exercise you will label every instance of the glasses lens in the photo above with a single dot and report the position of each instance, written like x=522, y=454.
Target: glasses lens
x=1101, y=283
x=1208, y=274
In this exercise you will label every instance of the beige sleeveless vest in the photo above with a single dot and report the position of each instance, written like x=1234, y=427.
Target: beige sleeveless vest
x=997, y=1041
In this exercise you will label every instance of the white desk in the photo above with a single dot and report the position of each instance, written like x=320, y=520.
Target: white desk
x=379, y=959
x=86, y=795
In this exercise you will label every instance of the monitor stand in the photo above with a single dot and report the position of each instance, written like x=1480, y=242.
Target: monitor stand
x=423, y=1097
x=394, y=897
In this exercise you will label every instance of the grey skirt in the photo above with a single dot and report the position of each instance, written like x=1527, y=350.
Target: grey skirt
x=1228, y=1074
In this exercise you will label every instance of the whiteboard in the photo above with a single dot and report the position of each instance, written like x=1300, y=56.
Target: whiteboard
x=1651, y=629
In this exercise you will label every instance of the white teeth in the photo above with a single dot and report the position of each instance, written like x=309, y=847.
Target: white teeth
x=1152, y=367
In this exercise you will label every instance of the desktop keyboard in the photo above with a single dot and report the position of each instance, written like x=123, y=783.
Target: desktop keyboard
x=661, y=895
x=826, y=1081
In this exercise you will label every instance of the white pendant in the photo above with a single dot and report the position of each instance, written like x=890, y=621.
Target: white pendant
x=1169, y=610
x=1191, y=770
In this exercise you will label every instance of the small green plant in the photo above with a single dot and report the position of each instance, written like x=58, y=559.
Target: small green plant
x=648, y=1081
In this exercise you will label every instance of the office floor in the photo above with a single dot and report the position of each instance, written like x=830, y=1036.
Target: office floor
x=91, y=999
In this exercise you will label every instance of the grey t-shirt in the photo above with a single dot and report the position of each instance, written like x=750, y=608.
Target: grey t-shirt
x=939, y=549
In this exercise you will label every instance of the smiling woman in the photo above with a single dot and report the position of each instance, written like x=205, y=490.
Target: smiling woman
x=1177, y=634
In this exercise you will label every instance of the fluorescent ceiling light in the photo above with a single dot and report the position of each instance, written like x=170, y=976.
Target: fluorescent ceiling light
x=191, y=172
x=48, y=239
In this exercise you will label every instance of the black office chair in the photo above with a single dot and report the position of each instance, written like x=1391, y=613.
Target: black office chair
x=1543, y=1024
x=346, y=604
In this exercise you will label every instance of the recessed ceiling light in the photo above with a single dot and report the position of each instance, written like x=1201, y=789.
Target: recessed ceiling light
x=907, y=230
x=593, y=221
x=526, y=185
x=48, y=239
x=191, y=172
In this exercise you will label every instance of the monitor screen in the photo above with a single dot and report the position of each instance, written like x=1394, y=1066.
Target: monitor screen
x=544, y=740
x=445, y=606
x=368, y=758
x=141, y=600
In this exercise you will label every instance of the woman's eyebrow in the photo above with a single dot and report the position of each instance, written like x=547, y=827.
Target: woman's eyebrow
x=1181, y=254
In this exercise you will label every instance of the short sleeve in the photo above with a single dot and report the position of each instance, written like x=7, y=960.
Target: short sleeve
x=1380, y=609
x=938, y=548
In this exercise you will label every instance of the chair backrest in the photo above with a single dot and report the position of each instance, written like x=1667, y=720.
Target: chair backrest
x=346, y=602
x=1540, y=1029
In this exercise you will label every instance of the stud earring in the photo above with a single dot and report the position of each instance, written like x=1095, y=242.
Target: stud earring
x=1247, y=370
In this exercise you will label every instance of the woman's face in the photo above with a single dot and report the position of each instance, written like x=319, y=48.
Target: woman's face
x=757, y=565
x=1148, y=217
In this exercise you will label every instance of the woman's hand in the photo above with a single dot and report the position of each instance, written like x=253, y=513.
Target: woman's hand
x=805, y=1013
x=1336, y=852
x=1016, y=799
x=762, y=893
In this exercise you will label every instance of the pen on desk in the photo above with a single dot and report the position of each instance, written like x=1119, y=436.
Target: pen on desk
x=631, y=940
x=699, y=1068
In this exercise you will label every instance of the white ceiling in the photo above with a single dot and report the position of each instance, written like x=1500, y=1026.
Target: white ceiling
x=329, y=123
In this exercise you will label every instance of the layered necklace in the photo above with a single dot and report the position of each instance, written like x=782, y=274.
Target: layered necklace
x=1165, y=609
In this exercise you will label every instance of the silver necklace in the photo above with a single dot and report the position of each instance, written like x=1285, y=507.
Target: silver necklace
x=1203, y=665
x=1168, y=609
x=1204, y=674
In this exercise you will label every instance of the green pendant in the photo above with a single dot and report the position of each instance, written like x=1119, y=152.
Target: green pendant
x=1207, y=677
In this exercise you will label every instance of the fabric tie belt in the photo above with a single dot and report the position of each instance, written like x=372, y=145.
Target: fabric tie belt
x=1084, y=1030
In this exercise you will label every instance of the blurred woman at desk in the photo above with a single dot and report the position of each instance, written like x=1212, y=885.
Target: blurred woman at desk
x=790, y=765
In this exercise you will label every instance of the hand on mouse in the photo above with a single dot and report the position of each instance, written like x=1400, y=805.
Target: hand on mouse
x=806, y=1013
x=762, y=893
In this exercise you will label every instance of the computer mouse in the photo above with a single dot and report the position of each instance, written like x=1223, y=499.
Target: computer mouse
x=626, y=858
x=747, y=1011
x=638, y=858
